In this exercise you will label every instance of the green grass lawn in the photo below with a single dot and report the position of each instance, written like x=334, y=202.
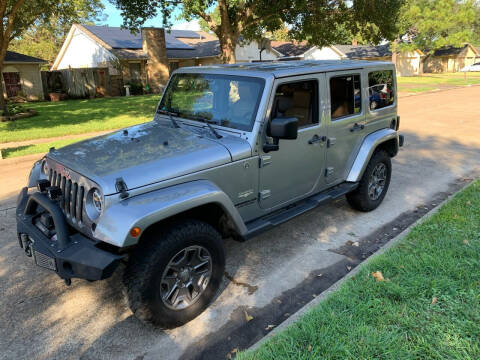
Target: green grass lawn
x=428, y=82
x=428, y=307
x=37, y=148
x=79, y=117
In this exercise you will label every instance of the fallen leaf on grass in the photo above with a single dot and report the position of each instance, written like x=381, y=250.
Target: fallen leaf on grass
x=434, y=300
x=378, y=276
x=469, y=202
x=247, y=317
x=465, y=242
x=269, y=327
x=309, y=348
x=233, y=352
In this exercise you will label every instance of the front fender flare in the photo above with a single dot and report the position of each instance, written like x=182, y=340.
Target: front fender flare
x=149, y=208
x=370, y=143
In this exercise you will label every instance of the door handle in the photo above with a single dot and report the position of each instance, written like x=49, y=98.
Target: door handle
x=316, y=139
x=357, y=127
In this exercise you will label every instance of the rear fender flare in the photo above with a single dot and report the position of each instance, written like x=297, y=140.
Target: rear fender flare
x=370, y=143
x=149, y=208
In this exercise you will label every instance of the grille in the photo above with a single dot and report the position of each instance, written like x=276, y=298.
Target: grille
x=73, y=196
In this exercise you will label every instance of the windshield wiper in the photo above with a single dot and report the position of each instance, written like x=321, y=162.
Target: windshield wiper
x=205, y=121
x=170, y=115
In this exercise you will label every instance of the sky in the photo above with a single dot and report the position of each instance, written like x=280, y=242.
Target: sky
x=115, y=19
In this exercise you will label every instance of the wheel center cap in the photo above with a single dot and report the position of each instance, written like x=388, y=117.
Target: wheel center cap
x=184, y=275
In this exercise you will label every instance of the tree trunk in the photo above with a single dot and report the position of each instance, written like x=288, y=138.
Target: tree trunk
x=394, y=51
x=227, y=45
x=3, y=102
x=228, y=35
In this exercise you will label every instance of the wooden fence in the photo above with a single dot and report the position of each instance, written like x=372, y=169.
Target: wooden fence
x=81, y=83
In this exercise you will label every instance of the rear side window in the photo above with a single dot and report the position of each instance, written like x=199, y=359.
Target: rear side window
x=345, y=95
x=380, y=89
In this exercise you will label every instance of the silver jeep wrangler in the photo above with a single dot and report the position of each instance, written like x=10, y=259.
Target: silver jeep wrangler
x=233, y=150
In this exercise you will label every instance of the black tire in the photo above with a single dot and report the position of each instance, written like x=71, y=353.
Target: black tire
x=145, y=270
x=360, y=199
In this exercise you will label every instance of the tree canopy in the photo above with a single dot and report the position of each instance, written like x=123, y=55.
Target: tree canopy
x=45, y=36
x=432, y=24
x=311, y=20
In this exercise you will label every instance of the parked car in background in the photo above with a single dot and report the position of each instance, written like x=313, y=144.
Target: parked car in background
x=379, y=95
x=474, y=67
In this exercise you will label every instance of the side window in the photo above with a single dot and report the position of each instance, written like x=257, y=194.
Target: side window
x=299, y=100
x=380, y=89
x=345, y=95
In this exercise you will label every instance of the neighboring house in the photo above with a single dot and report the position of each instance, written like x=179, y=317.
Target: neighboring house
x=408, y=63
x=450, y=59
x=21, y=76
x=146, y=54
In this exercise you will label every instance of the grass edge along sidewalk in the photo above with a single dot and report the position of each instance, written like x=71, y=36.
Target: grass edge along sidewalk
x=419, y=299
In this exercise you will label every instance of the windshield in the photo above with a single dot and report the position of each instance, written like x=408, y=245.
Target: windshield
x=225, y=100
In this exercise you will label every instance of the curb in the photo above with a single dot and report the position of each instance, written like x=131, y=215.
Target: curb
x=296, y=316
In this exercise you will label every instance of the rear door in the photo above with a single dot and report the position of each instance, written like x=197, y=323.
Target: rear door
x=346, y=121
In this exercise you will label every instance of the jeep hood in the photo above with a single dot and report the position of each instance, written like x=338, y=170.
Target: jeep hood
x=144, y=154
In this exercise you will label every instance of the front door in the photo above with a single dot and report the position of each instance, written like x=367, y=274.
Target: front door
x=346, y=122
x=12, y=83
x=296, y=169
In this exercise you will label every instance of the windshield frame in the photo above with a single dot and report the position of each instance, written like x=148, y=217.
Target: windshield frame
x=189, y=118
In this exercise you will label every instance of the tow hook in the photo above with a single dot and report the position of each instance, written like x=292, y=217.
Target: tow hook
x=26, y=244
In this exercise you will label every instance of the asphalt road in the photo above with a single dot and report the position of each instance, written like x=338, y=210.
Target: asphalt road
x=41, y=318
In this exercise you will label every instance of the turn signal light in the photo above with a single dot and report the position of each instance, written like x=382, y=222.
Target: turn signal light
x=135, y=232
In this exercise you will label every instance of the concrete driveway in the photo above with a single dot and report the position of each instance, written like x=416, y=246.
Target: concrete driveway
x=267, y=277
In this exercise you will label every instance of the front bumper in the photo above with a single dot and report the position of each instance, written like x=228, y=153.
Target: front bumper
x=69, y=253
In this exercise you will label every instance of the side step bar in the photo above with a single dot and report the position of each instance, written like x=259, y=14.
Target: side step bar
x=269, y=221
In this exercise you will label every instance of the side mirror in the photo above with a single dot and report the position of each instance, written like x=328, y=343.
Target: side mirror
x=281, y=128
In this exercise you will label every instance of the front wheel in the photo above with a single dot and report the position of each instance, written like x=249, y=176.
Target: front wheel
x=174, y=275
x=374, y=183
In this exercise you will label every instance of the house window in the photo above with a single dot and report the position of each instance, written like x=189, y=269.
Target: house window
x=380, y=89
x=345, y=95
x=12, y=83
x=135, y=72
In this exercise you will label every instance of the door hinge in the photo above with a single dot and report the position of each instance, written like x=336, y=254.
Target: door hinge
x=264, y=160
x=265, y=194
x=329, y=171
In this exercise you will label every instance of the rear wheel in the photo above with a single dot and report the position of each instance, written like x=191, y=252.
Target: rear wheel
x=174, y=275
x=374, y=183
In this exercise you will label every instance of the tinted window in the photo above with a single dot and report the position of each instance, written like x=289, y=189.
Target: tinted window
x=345, y=95
x=380, y=89
x=299, y=100
x=230, y=101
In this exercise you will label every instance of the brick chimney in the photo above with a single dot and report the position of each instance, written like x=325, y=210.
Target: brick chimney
x=354, y=42
x=153, y=44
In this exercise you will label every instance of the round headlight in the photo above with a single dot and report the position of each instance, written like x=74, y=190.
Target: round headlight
x=94, y=204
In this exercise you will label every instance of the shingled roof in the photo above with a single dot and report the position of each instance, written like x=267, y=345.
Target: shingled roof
x=364, y=51
x=14, y=57
x=290, y=48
